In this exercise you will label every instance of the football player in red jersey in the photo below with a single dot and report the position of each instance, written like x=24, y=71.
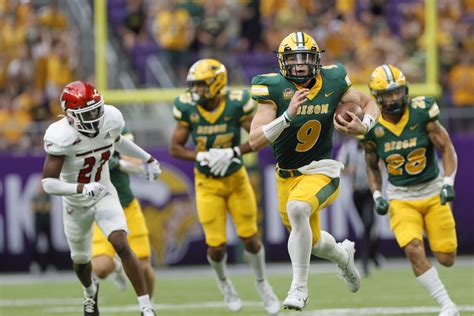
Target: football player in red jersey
x=78, y=148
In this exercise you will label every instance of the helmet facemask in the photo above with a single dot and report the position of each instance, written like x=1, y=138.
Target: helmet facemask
x=293, y=63
x=87, y=120
x=392, y=100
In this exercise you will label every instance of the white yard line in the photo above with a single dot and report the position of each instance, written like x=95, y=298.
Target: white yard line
x=71, y=305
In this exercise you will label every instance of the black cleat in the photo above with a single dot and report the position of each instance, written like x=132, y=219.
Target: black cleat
x=91, y=304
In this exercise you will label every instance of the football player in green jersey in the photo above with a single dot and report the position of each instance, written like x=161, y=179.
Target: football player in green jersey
x=214, y=116
x=296, y=116
x=405, y=139
x=104, y=259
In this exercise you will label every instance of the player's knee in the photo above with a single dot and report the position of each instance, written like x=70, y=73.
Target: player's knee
x=446, y=259
x=80, y=258
x=101, y=271
x=217, y=253
x=415, y=250
x=118, y=239
x=252, y=244
x=298, y=211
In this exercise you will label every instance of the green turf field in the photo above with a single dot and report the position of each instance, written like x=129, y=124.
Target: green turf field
x=390, y=291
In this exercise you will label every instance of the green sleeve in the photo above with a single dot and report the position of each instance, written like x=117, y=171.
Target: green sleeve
x=262, y=87
x=114, y=161
x=180, y=112
x=247, y=106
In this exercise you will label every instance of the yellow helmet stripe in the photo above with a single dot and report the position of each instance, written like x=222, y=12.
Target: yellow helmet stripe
x=388, y=73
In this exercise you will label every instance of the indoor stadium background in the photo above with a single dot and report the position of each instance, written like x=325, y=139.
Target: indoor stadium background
x=137, y=53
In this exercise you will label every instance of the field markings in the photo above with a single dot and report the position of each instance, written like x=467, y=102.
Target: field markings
x=72, y=305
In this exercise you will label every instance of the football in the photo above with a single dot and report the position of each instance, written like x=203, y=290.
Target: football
x=343, y=108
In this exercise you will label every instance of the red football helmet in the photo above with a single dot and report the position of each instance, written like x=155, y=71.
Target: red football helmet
x=82, y=103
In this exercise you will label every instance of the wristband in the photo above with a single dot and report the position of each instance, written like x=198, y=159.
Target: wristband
x=236, y=151
x=449, y=180
x=377, y=194
x=368, y=121
x=272, y=130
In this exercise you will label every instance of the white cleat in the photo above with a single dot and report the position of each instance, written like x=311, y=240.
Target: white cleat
x=148, y=311
x=231, y=298
x=296, y=299
x=270, y=300
x=119, y=277
x=449, y=310
x=349, y=271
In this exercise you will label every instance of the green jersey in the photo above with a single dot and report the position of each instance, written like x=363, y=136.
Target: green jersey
x=309, y=136
x=120, y=179
x=405, y=147
x=219, y=128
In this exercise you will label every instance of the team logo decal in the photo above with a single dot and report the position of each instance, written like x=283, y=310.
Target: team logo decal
x=379, y=132
x=288, y=93
x=194, y=117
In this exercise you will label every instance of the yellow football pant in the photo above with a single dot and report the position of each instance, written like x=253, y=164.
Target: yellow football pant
x=137, y=237
x=409, y=218
x=216, y=196
x=316, y=189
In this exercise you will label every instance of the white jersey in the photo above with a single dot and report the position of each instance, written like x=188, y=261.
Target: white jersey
x=86, y=158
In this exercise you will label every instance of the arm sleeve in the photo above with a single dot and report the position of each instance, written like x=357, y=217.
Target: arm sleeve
x=57, y=187
x=179, y=110
x=129, y=148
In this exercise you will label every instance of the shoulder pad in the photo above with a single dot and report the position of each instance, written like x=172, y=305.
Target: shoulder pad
x=58, y=137
x=269, y=79
x=113, y=119
x=426, y=104
x=334, y=71
x=61, y=133
x=184, y=100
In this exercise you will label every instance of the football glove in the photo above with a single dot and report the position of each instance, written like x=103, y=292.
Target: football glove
x=153, y=171
x=203, y=158
x=381, y=204
x=94, y=190
x=447, y=194
x=221, y=159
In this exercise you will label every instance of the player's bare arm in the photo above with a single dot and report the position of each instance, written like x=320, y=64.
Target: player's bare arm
x=178, y=141
x=374, y=177
x=440, y=138
x=245, y=124
x=266, y=128
x=357, y=126
x=266, y=112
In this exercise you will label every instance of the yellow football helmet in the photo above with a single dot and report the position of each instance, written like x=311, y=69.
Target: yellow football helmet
x=210, y=72
x=296, y=49
x=388, y=82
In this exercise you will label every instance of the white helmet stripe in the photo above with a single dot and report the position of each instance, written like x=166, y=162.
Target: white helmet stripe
x=299, y=39
x=388, y=73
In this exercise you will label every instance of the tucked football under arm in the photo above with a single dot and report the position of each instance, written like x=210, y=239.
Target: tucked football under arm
x=129, y=148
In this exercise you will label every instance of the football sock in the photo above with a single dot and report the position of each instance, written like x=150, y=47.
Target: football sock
x=431, y=282
x=299, y=242
x=144, y=301
x=257, y=261
x=117, y=264
x=327, y=248
x=219, y=267
x=90, y=290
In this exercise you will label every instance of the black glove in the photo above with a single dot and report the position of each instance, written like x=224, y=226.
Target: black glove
x=381, y=205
